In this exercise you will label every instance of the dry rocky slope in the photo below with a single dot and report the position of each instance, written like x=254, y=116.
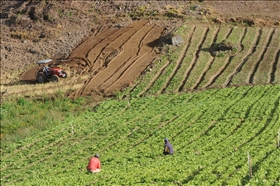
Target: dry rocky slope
x=33, y=30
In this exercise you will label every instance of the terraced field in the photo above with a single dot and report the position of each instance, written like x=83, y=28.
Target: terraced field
x=112, y=59
x=220, y=112
x=212, y=132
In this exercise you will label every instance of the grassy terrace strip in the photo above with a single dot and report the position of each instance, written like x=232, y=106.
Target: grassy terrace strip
x=263, y=74
x=176, y=78
x=265, y=34
x=192, y=55
x=168, y=72
x=236, y=37
x=211, y=131
x=217, y=63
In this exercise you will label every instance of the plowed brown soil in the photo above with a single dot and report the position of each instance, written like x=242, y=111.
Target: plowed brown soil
x=113, y=58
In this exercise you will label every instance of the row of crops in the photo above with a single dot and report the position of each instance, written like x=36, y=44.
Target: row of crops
x=211, y=131
x=255, y=61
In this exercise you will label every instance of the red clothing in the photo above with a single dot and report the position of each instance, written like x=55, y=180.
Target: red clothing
x=94, y=164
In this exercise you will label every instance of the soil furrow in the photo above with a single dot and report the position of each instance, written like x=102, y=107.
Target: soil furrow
x=245, y=62
x=216, y=75
x=119, y=71
x=145, y=58
x=210, y=62
x=275, y=66
x=179, y=61
x=208, y=65
x=189, y=70
x=156, y=76
x=95, y=70
x=127, y=54
x=262, y=75
x=84, y=48
x=228, y=81
x=255, y=67
x=97, y=52
x=161, y=40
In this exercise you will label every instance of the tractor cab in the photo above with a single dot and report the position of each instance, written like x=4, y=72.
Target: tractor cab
x=47, y=72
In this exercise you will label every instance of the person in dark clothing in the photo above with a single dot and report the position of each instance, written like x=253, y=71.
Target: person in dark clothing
x=168, y=148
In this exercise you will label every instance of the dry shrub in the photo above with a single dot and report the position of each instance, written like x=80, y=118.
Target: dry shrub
x=23, y=35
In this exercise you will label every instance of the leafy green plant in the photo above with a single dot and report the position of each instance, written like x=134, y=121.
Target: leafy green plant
x=211, y=131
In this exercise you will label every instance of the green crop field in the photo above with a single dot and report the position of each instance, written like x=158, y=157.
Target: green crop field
x=212, y=132
x=221, y=113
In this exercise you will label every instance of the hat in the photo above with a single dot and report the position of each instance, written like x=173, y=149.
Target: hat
x=96, y=155
x=165, y=139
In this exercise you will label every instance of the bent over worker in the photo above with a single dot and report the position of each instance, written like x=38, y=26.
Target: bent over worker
x=94, y=164
x=168, y=148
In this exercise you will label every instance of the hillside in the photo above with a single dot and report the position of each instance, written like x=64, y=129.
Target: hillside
x=215, y=94
x=73, y=34
x=212, y=132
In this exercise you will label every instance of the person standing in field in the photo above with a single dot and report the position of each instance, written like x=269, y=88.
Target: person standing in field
x=94, y=164
x=168, y=148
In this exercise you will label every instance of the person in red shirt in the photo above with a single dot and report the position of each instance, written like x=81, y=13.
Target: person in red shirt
x=94, y=164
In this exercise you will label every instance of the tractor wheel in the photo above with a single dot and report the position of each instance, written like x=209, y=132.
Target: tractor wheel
x=41, y=77
x=64, y=74
x=54, y=78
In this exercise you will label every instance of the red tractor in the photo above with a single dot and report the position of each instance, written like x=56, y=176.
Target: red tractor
x=47, y=73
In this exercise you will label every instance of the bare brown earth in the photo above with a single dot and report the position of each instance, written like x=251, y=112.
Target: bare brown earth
x=111, y=42
x=113, y=58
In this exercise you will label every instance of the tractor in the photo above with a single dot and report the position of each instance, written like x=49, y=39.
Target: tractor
x=49, y=73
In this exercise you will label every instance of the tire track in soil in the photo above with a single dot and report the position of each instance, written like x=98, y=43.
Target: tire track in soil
x=255, y=67
x=179, y=61
x=125, y=66
x=275, y=65
x=215, y=76
x=84, y=48
x=185, y=78
x=208, y=65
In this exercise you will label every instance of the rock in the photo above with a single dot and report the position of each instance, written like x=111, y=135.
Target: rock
x=177, y=40
x=42, y=35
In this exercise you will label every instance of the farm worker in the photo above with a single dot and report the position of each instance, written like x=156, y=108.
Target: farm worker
x=46, y=69
x=168, y=148
x=94, y=164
